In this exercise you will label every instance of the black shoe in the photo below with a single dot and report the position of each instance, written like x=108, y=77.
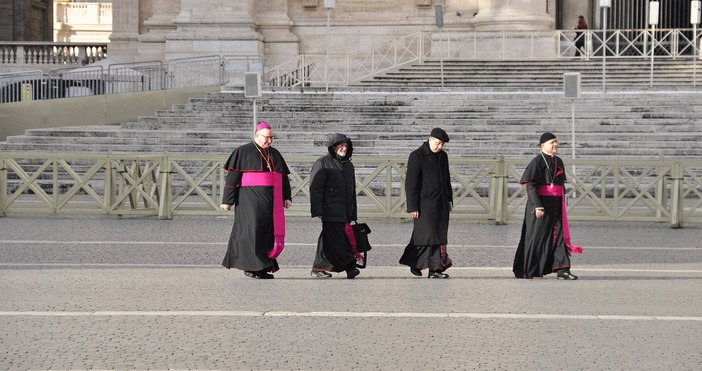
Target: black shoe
x=259, y=275
x=320, y=274
x=265, y=275
x=352, y=273
x=437, y=274
x=416, y=271
x=566, y=275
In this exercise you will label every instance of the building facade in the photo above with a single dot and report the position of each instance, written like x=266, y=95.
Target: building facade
x=283, y=29
x=280, y=30
x=26, y=20
x=77, y=21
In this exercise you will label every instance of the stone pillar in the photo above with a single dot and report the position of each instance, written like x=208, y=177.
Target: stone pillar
x=123, y=45
x=274, y=23
x=214, y=27
x=501, y=15
x=152, y=44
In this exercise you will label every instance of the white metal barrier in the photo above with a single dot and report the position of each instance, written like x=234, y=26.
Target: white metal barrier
x=105, y=77
x=165, y=185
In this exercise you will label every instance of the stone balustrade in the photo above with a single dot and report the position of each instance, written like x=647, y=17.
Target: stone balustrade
x=83, y=13
x=47, y=55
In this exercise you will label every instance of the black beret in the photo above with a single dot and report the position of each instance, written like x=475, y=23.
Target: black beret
x=439, y=134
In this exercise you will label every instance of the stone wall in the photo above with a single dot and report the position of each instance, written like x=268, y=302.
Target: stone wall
x=26, y=20
x=283, y=29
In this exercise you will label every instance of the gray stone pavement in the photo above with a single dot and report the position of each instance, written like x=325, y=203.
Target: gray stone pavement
x=140, y=293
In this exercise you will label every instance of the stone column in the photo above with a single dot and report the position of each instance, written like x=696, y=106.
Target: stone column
x=274, y=23
x=214, y=27
x=528, y=15
x=123, y=45
x=152, y=44
x=511, y=29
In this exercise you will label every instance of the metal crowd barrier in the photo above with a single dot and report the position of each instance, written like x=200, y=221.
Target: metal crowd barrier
x=105, y=77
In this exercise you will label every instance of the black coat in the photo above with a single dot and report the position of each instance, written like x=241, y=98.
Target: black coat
x=333, y=186
x=428, y=190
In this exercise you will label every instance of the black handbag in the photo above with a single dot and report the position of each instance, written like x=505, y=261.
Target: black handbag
x=361, y=232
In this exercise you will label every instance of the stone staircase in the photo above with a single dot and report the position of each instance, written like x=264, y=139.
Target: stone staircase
x=541, y=75
x=481, y=124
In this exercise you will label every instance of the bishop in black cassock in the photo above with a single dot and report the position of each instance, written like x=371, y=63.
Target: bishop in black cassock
x=256, y=239
x=544, y=246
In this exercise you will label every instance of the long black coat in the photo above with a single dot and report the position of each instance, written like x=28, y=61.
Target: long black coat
x=333, y=187
x=428, y=190
x=333, y=198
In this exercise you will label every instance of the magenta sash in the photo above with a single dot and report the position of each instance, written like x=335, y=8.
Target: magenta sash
x=352, y=240
x=274, y=179
x=558, y=190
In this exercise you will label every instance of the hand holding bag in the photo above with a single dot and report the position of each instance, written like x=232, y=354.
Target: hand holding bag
x=360, y=233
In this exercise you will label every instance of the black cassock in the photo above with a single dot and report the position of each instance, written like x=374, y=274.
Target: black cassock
x=428, y=189
x=252, y=234
x=542, y=249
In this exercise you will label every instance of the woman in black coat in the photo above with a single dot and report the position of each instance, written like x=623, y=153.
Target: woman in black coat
x=429, y=201
x=333, y=199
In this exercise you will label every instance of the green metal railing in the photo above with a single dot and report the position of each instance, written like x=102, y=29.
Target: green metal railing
x=167, y=185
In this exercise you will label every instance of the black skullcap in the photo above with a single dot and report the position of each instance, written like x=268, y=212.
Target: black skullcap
x=439, y=134
x=545, y=137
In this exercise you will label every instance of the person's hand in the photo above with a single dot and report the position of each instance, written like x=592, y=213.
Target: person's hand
x=225, y=207
x=538, y=213
x=415, y=214
x=287, y=203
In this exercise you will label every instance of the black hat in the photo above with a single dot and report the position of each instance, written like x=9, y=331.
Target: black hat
x=545, y=137
x=439, y=134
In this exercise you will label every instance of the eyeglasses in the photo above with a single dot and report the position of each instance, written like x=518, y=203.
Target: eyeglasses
x=437, y=141
x=267, y=138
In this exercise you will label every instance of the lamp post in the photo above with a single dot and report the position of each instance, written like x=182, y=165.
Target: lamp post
x=653, y=9
x=252, y=89
x=695, y=9
x=571, y=89
x=439, y=14
x=328, y=5
x=604, y=4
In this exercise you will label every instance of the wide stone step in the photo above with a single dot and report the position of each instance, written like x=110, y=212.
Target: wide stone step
x=382, y=124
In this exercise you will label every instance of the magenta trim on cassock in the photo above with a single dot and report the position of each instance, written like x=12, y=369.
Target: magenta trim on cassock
x=558, y=190
x=352, y=241
x=274, y=179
